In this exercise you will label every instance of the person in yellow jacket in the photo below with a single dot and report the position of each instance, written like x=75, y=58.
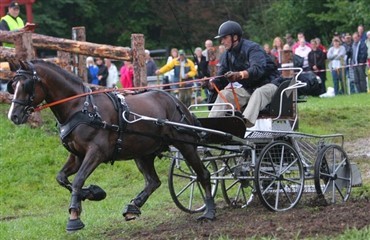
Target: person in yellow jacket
x=184, y=70
x=12, y=22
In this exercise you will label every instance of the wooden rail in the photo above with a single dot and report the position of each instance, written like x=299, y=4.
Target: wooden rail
x=26, y=43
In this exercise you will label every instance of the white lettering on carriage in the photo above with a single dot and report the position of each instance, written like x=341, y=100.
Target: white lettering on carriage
x=12, y=106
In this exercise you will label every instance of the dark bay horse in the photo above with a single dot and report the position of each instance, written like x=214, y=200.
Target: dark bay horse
x=92, y=129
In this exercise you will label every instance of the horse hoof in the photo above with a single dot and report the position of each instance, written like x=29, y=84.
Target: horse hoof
x=93, y=193
x=130, y=217
x=131, y=212
x=206, y=218
x=208, y=215
x=74, y=225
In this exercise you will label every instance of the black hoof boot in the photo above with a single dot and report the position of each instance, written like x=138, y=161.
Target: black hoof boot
x=210, y=212
x=74, y=225
x=93, y=193
x=131, y=212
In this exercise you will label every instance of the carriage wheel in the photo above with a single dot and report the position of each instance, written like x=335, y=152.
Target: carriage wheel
x=185, y=190
x=333, y=174
x=279, y=176
x=237, y=184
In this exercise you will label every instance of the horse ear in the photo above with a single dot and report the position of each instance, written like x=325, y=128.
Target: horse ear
x=23, y=65
x=13, y=65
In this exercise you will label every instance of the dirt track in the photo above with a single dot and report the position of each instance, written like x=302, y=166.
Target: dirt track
x=306, y=220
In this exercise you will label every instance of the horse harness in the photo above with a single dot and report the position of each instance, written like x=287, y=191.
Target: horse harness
x=92, y=118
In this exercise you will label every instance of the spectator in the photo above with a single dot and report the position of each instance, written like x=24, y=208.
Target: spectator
x=12, y=22
x=267, y=49
x=221, y=50
x=92, y=71
x=103, y=72
x=359, y=58
x=277, y=47
x=249, y=73
x=151, y=67
x=184, y=71
x=361, y=33
x=316, y=62
x=289, y=40
x=336, y=55
x=347, y=44
x=170, y=75
x=202, y=68
x=320, y=46
x=201, y=63
x=303, y=50
x=367, y=42
x=127, y=75
x=211, y=57
x=300, y=36
x=112, y=78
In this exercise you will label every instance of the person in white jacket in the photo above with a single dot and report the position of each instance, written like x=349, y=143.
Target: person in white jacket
x=112, y=78
x=336, y=56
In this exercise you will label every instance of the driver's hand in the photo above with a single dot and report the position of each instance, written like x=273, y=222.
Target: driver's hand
x=233, y=76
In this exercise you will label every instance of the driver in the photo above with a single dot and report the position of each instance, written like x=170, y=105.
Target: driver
x=249, y=74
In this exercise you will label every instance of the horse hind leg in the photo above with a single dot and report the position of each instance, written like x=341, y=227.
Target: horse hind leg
x=190, y=154
x=152, y=182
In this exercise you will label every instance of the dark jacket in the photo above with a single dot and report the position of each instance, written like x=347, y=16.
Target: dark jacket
x=316, y=58
x=250, y=56
x=103, y=71
x=362, y=52
x=202, y=67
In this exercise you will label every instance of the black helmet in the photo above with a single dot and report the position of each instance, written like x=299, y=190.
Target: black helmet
x=229, y=28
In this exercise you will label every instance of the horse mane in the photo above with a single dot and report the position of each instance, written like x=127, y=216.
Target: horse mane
x=58, y=69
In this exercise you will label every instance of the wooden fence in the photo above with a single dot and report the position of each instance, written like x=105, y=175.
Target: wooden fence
x=26, y=43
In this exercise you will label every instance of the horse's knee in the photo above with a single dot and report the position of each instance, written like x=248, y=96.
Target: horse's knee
x=63, y=181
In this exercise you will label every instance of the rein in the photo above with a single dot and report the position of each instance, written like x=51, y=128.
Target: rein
x=47, y=105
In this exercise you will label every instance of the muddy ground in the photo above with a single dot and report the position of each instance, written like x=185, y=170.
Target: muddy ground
x=306, y=220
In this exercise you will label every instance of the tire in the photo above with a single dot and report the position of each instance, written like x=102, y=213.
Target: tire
x=185, y=190
x=333, y=174
x=279, y=176
x=237, y=183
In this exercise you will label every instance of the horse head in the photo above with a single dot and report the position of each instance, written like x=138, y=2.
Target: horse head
x=27, y=89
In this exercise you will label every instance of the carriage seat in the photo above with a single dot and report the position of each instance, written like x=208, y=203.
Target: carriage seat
x=286, y=100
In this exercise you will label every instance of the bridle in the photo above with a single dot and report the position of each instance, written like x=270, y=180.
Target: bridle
x=30, y=79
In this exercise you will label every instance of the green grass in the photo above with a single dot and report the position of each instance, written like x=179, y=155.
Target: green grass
x=34, y=206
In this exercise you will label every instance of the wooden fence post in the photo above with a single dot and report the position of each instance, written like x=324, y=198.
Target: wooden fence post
x=79, y=61
x=138, y=59
x=23, y=46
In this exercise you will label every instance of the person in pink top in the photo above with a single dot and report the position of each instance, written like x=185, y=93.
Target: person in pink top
x=127, y=75
x=300, y=36
x=303, y=50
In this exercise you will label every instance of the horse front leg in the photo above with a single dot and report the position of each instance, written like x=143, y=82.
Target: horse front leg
x=152, y=182
x=70, y=167
x=89, y=164
x=190, y=153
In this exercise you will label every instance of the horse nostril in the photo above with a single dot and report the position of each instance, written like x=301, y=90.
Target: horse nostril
x=14, y=118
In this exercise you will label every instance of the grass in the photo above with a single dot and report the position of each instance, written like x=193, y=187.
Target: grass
x=33, y=206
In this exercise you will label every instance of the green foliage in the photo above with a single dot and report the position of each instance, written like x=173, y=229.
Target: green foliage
x=187, y=24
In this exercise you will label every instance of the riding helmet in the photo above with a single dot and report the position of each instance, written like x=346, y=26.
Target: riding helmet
x=229, y=28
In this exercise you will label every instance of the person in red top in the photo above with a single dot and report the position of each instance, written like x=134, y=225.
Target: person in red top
x=127, y=75
x=320, y=46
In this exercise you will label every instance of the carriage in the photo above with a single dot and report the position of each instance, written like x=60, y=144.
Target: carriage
x=270, y=160
x=274, y=163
